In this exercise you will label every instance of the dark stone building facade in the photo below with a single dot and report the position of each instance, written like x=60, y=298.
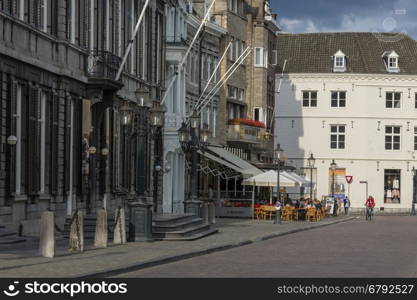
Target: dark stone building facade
x=59, y=97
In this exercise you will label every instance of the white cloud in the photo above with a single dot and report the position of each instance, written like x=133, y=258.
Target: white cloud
x=371, y=19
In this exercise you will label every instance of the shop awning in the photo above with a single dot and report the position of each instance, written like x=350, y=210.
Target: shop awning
x=270, y=179
x=220, y=161
x=244, y=167
x=300, y=180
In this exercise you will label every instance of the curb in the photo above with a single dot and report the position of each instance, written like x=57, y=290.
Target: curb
x=169, y=259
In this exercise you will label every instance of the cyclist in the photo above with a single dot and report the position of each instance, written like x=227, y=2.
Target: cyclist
x=370, y=204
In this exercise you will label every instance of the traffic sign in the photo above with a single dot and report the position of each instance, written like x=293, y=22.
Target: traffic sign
x=349, y=179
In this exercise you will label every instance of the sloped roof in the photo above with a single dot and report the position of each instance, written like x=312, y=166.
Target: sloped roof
x=312, y=52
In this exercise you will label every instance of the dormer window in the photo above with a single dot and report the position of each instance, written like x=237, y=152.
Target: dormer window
x=339, y=60
x=390, y=59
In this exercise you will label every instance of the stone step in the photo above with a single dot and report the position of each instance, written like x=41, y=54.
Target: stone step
x=193, y=237
x=169, y=219
x=181, y=233
x=4, y=233
x=178, y=226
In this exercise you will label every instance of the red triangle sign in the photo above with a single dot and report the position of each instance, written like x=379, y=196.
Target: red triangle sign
x=349, y=179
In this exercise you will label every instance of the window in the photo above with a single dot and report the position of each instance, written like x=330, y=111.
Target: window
x=241, y=94
x=415, y=138
x=393, y=100
x=259, y=57
x=338, y=99
x=337, y=136
x=13, y=7
x=393, y=62
x=232, y=92
x=339, y=62
x=392, y=186
x=309, y=99
x=415, y=100
x=390, y=59
x=274, y=57
x=258, y=114
x=231, y=50
x=392, y=137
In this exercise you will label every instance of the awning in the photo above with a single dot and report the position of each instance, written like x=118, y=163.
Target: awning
x=220, y=161
x=270, y=179
x=300, y=180
x=245, y=168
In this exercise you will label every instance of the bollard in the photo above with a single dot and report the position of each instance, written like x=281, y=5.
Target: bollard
x=100, y=237
x=277, y=217
x=119, y=234
x=206, y=219
x=212, y=213
x=76, y=239
x=47, y=235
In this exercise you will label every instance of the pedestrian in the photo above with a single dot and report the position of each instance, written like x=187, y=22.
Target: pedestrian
x=346, y=205
x=335, y=207
x=210, y=193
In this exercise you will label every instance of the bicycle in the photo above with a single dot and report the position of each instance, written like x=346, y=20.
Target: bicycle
x=369, y=213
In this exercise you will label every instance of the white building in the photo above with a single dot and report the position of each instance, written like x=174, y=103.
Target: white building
x=352, y=98
x=174, y=162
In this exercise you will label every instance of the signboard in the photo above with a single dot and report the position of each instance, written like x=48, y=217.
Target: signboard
x=349, y=179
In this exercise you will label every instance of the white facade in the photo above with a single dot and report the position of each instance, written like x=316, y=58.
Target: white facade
x=303, y=130
x=174, y=160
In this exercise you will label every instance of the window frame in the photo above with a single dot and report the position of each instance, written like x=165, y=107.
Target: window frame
x=310, y=99
x=337, y=100
x=392, y=135
x=393, y=100
x=340, y=143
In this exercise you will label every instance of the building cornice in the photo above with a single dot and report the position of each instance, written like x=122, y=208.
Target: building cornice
x=350, y=76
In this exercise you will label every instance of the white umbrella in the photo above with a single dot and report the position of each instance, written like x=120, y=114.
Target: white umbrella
x=270, y=179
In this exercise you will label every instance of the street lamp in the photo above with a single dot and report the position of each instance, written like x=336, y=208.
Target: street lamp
x=12, y=140
x=278, y=153
x=193, y=139
x=333, y=166
x=311, y=162
x=413, y=205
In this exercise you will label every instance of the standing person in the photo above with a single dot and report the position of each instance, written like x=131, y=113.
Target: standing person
x=335, y=207
x=346, y=205
x=370, y=204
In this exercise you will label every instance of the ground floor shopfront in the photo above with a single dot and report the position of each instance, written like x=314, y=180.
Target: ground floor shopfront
x=390, y=182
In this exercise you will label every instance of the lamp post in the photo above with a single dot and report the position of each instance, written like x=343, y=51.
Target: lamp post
x=278, y=153
x=144, y=120
x=193, y=139
x=311, y=161
x=413, y=205
x=333, y=166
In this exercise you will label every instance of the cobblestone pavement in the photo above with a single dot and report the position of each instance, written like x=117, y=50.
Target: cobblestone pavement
x=385, y=247
x=22, y=259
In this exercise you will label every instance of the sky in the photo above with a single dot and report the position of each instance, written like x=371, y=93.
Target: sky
x=297, y=16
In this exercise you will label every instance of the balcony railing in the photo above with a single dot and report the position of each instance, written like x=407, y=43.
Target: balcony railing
x=102, y=64
x=246, y=133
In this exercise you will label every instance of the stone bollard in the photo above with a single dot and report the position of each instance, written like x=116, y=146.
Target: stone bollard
x=76, y=239
x=119, y=234
x=47, y=235
x=100, y=237
x=212, y=213
x=206, y=219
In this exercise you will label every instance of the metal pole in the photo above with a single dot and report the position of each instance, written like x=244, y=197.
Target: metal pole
x=129, y=47
x=311, y=183
x=333, y=184
x=194, y=162
x=278, y=212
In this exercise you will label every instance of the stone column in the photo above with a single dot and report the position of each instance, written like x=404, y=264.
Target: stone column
x=206, y=216
x=212, y=213
x=76, y=240
x=100, y=237
x=47, y=235
x=119, y=234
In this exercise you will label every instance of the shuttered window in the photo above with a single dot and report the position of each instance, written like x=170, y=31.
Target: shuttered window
x=33, y=147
